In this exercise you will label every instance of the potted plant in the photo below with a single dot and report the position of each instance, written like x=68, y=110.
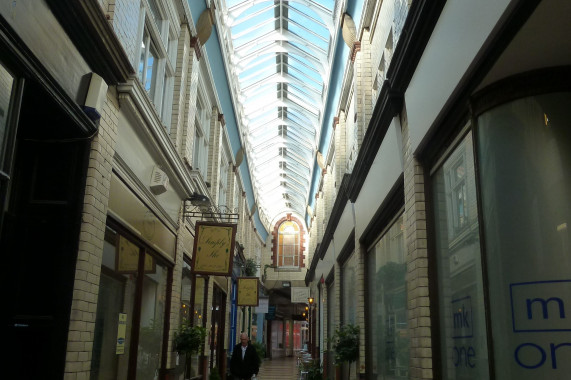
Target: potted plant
x=187, y=341
x=346, y=344
x=260, y=350
x=250, y=267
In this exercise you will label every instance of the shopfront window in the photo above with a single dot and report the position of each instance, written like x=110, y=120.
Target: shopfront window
x=330, y=329
x=6, y=84
x=6, y=90
x=152, y=319
x=199, y=301
x=388, y=329
x=115, y=305
x=185, y=293
x=349, y=281
x=524, y=151
x=463, y=339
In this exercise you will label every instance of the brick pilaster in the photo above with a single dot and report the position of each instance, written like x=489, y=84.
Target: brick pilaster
x=417, y=262
x=91, y=238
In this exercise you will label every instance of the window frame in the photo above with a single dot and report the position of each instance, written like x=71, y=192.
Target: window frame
x=158, y=38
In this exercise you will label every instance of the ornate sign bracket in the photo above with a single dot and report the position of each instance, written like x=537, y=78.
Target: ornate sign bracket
x=222, y=214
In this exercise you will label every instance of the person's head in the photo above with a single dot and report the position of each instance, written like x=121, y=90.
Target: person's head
x=244, y=339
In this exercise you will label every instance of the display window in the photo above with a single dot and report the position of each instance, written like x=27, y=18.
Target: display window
x=524, y=155
x=387, y=330
x=461, y=301
x=130, y=317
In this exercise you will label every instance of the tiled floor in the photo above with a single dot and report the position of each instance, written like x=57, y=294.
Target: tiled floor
x=279, y=369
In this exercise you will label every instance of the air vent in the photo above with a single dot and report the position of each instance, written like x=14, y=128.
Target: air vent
x=159, y=181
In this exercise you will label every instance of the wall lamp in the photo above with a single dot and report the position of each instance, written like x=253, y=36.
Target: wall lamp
x=197, y=199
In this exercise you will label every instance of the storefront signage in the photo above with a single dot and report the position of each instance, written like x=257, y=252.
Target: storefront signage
x=213, y=248
x=299, y=295
x=121, y=334
x=263, y=305
x=248, y=294
x=271, y=314
x=538, y=311
x=127, y=258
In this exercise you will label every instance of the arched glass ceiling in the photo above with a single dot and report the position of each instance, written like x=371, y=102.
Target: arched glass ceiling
x=281, y=58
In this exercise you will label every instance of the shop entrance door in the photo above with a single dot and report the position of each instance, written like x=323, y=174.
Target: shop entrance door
x=217, y=349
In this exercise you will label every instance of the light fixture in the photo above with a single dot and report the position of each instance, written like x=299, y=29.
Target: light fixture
x=310, y=300
x=198, y=199
x=286, y=284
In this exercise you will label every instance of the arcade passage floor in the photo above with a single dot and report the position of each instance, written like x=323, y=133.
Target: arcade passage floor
x=279, y=369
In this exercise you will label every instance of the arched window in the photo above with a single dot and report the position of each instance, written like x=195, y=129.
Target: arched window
x=288, y=244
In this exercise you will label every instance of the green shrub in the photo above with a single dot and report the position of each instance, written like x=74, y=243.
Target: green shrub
x=214, y=374
x=261, y=350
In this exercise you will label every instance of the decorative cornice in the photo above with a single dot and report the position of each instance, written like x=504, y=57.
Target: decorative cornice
x=133, y=97
x=356, y=48
x=336, y=212
x=195, y=44
x=335, y=122
x=421, y=20
x=347, y=249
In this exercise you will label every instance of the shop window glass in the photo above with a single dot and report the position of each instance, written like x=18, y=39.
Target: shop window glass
x=459, y=272
x=199, y=301
x=349, y=280
x=115, y=304
x=388, y=330
x=152, y=319
x=185, y=294
x=6, y=84
x=524, y=151
x=330, y=329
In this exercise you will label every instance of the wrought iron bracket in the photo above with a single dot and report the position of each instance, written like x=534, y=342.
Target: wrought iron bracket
x=210, y=212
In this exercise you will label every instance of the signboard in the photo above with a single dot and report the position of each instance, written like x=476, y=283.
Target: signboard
x=127, y=258
x=213, y=248
x=299, y=295
x=248, y=291
x=263, y=305
x=271, y=314
x=121, y=334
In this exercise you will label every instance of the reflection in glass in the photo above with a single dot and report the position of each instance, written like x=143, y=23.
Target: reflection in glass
x=6, y=84
x=152, y=321
x=349, y=279
x=460, y=288
x=330, y=328
x=116, y=297
x=388, y=330
x=524, y=150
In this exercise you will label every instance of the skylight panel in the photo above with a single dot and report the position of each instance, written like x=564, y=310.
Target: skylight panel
x=254, y=32
x=307, y=35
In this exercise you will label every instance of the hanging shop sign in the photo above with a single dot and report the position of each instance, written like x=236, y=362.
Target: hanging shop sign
x=299, y=294
x=248, y=291
x=213, y=248
x=263, y=304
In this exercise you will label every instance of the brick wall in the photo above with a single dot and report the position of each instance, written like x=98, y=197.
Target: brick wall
x=86, y=286
x=417, y=262
x=124, y=16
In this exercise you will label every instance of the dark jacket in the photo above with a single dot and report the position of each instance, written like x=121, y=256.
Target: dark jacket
x=244, y=368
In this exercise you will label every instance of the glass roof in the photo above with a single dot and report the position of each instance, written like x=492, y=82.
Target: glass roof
x=280, y=66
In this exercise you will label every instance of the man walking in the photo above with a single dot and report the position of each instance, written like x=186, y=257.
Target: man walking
x=245, y=361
